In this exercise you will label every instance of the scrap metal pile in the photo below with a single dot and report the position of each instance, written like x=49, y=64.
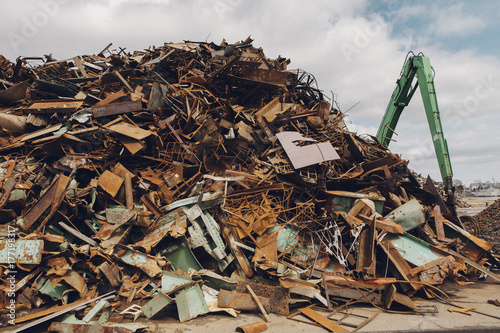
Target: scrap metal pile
x=204, y=177
x=489, y=222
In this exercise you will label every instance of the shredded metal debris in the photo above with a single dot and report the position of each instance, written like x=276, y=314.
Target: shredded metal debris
x=206, y=177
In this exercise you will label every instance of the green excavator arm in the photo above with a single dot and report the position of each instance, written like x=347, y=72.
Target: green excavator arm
x=418, y=66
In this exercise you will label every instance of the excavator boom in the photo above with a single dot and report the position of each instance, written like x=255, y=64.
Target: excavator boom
x=418, y=66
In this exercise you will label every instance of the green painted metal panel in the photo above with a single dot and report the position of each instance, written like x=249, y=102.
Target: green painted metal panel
x=181, y=257
x=156, y=304
x=172, y=281
x=190, y=303
x=408, y=216
x=25, y=251
x=412, y=249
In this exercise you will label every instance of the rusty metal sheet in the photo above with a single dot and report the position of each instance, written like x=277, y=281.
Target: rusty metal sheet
x=305, y=155
x=174, y=223
x=110, y=182
x=146, y=263
x=129, y=130
x=52, y=197
x=132, y=145
x=116, y=108
x=76, y=281
x=241, y=301
x=271, y=109
x=20, y=251
x=7, y=188
x=345, y=293
x=322, y=320
x=279, y=296
x=484, y=244
x=14, y=94
x=54, y=106
x=112, y=273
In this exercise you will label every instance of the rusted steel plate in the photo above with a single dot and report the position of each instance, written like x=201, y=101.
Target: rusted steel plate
x=21, y=251
x=322, y=320
x=241, y=301
x=14, y=94
x=146, y=263
x=7, y=188
x=130, y=130
x=110, y=182
x=279, y=296
x=116, y=108
x=53, y=106
x=48, y=199
x=350, y=293
x=112, y=273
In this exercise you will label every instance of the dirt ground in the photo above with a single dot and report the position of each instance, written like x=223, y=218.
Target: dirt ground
x=475, y=204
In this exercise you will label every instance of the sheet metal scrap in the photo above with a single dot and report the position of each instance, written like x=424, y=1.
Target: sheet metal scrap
x=121, y=169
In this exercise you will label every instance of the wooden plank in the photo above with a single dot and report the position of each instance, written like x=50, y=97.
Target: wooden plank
x=322, y=320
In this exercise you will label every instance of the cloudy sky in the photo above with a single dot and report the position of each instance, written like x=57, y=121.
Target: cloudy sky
x=354, y=48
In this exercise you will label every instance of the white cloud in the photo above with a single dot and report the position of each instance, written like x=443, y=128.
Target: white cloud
x=454, y=20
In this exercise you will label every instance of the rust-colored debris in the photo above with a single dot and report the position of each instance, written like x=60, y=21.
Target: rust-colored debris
x=215, y=166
